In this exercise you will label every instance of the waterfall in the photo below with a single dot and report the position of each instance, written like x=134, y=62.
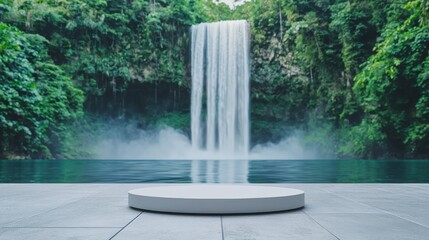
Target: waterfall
x=220, y=87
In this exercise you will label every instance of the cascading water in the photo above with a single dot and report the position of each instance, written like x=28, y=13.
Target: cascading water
x=220, y=87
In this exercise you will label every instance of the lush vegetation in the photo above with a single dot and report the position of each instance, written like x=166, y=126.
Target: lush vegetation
x=353, y=75
x=38, y=101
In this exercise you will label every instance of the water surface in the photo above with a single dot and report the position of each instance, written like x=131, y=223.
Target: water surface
x=214, y=171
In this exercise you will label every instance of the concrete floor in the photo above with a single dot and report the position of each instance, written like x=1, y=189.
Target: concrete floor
x=100, y=211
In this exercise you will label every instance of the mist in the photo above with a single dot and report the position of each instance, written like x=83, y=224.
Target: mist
x=291, y=147
x=161, y=143
x=166, y=143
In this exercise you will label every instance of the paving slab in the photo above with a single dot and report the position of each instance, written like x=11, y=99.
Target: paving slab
x=363, y=196
x=308, y=188
x=158, y=226
x=285, y=225
x=421, y=185
x=407, y=208
x=331, y=203
x=20, y=207
x=57, y=233
x=370, y=226
x=349, y=188
x=407, y=191
x=117, y=190
x=87, y=212
x=404, y=201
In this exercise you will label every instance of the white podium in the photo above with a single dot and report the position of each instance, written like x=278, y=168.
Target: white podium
x=216, y=199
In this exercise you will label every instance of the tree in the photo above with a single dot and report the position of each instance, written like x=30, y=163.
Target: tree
x=393, y=86
x=36, y=98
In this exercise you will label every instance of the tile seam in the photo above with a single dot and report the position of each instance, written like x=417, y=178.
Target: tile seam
x=382, y=211
x=120, y=230
x=221, y=226
x=314, y=220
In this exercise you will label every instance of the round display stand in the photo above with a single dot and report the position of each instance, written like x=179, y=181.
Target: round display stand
x=216, y=199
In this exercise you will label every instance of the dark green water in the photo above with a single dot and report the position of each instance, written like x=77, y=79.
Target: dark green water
x=187, y=171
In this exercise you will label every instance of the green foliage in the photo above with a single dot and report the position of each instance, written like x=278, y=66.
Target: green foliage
x=36, y=98
x=425, y=11
x=209, y=11
x=175, y=120
x=270, y=105
x=393, y=84
x=352, y=20
x=107, y=44
x=364, y=140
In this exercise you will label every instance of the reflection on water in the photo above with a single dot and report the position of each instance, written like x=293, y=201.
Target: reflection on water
x=214, y=171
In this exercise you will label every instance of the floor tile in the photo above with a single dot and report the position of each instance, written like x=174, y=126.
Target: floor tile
x=409, y=209
x=88, y=212
x=331, y=203
x=371, y=226
x=157, y=226
x=275, y=226
x=57, y=233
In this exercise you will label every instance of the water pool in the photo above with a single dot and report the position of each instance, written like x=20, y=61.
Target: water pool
x=214, y=171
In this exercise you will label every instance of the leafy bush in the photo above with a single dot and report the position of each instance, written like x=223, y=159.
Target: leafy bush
x=37, y=99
